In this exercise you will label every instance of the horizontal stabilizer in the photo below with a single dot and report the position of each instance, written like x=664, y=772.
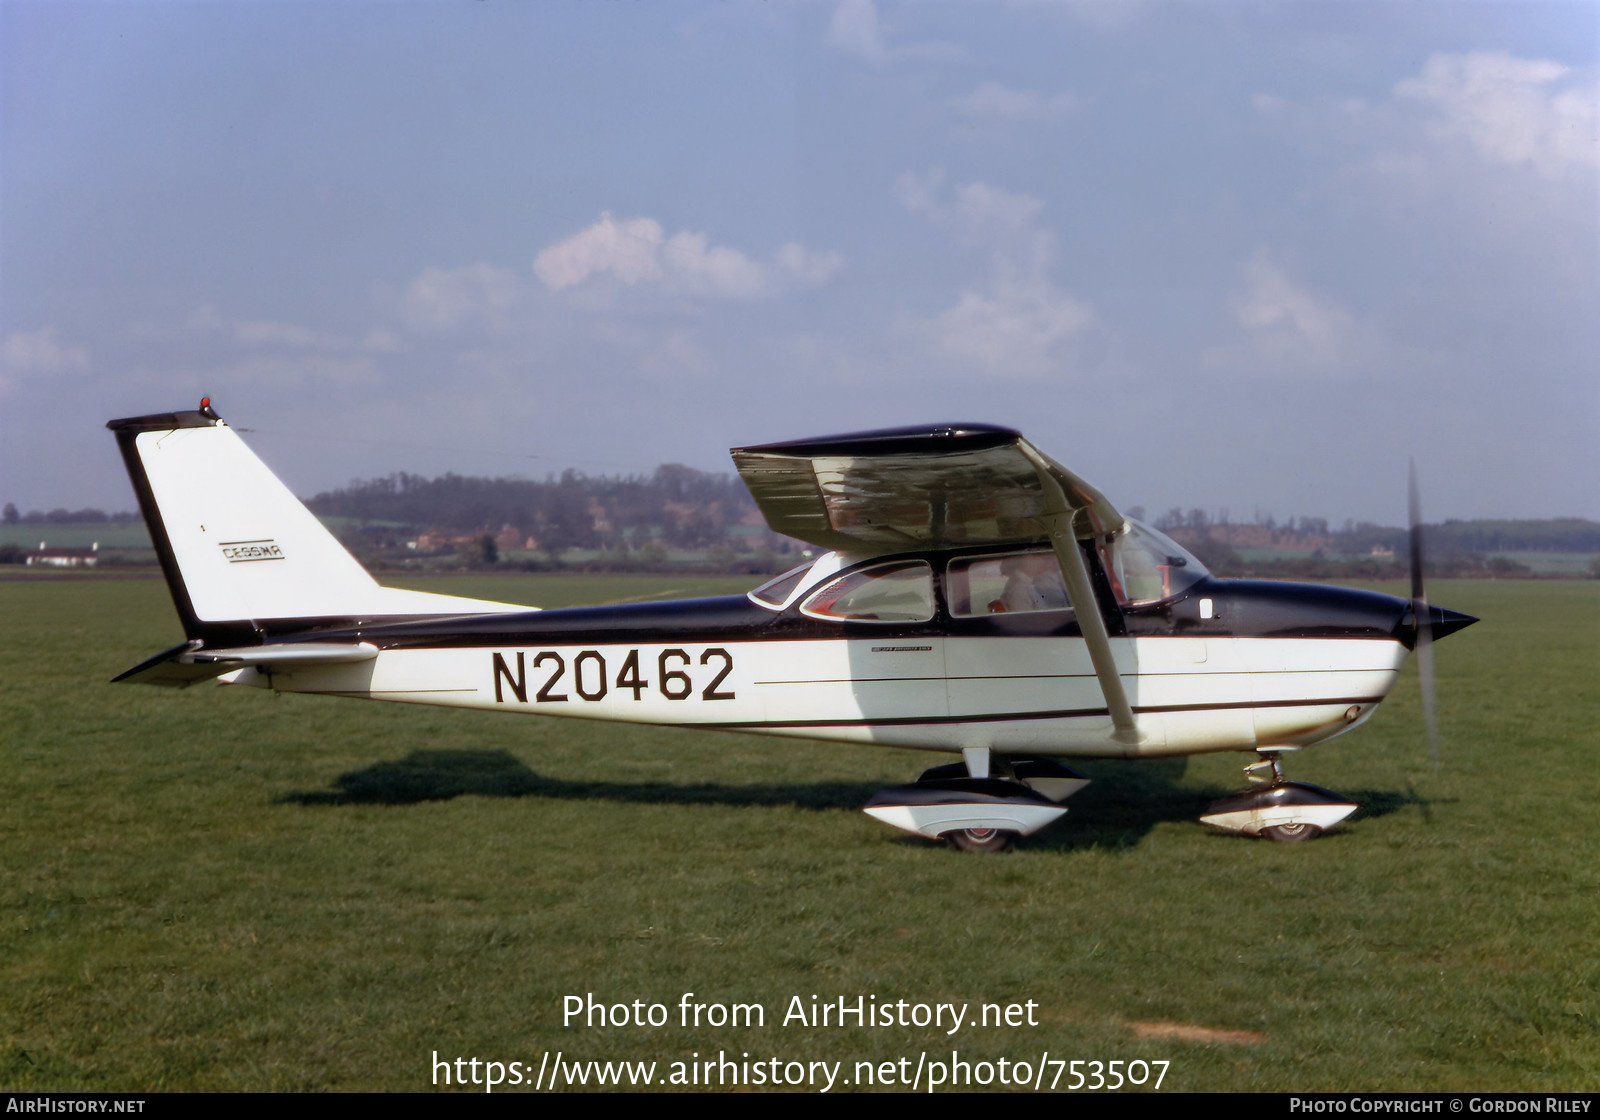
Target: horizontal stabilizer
x=297, y=653
x=183, y=665
x=166, y=670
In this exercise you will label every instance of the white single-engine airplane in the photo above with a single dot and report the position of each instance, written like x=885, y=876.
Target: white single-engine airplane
x=976, y=598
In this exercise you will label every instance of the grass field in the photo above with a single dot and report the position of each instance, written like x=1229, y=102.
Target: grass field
x=221, y=889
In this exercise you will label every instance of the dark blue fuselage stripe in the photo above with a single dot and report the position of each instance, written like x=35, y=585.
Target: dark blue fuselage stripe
x=1003, y=717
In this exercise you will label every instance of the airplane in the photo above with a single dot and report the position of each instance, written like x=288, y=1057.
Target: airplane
x=972, y=597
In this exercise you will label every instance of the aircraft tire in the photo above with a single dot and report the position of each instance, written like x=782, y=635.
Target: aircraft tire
x=1291, y=833
x=980, y=839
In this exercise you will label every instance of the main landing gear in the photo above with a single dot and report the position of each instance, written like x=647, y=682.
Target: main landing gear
x=982, y=804
x=1280, y=810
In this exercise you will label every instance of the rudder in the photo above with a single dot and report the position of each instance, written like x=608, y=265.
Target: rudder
x=239, y=550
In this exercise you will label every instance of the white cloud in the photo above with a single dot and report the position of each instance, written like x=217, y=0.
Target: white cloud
x=636, y=251
x=1012, y=330
x=989, y=217
x=1475, y=174
x=628, y=250
x=979, y=213
x=1104, y=15
x=679, y=352
x=986, y=213
x=993, y=102
x=1488, y=108
x=40, y=351
x=1016, y=323
x=1267, y=104
x=274, y=334
x=712, y=270
x=920, y=193
x=301, y=369
x=440, y=298
x=807, y=268
x=381, y=340
x=1271, y=301
x=856, y=29
x=1514, y=111
x=1287, y=328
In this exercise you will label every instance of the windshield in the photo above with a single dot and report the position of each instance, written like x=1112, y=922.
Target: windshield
x=1147, y=566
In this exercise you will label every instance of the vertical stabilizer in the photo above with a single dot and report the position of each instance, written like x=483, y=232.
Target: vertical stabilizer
x=238, y=548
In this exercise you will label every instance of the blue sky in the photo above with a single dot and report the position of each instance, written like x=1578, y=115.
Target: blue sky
x=1250, y=256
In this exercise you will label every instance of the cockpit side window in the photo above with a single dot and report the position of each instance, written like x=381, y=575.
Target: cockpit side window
x=899, y=591
x=1009, y=583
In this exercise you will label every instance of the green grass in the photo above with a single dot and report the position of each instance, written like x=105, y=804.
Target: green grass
x=221, y=889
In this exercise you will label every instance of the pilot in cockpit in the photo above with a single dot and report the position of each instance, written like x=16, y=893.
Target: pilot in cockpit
x=1033, y=583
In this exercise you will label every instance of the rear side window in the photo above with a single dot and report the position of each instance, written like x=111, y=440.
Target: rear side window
x=900, y=591
x=775, y=593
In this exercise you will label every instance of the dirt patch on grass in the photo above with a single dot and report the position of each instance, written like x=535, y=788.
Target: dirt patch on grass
x=1188, y=1032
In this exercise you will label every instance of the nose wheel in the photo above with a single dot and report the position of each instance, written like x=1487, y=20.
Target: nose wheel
x=1278, y=809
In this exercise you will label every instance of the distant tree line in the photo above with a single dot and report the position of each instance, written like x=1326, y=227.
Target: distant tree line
x=1456, y=537
x=1266, y=547
x=1561, y=534
x=1224, y=561
x=632, y=520
x=10, y=516
x=675, y=507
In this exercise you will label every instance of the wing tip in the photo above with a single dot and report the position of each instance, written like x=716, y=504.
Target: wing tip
x=916, y=439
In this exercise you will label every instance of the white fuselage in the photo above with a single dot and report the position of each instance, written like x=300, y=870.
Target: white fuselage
x=1034, y=695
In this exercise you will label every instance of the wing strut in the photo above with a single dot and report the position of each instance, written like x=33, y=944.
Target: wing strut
x=1057, y=519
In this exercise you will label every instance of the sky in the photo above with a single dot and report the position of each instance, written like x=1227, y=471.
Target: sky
x=1244, y=257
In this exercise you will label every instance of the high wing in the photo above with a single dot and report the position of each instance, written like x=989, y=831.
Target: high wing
x=899, y=489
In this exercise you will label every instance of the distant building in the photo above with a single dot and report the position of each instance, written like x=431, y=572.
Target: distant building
x=510, y=538
x=48, y=557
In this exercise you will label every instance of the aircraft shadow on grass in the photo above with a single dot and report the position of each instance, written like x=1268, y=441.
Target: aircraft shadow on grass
x=439, y=775
x=1125, y=802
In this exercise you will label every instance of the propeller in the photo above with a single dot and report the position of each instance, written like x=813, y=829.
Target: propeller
x=1422, y=618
